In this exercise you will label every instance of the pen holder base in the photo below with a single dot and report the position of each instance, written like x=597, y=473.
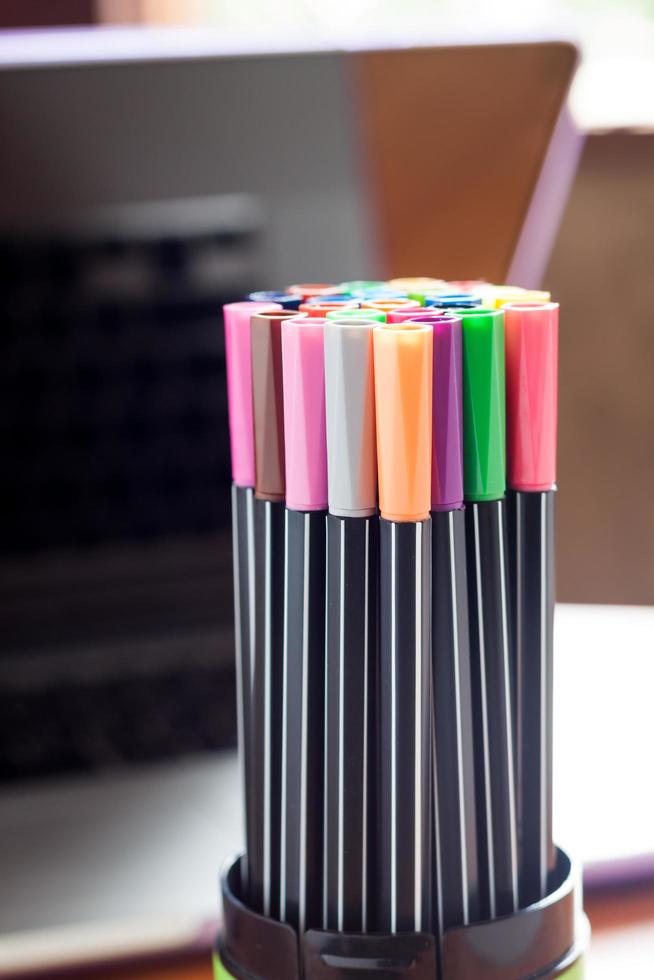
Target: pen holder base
x=545, y=940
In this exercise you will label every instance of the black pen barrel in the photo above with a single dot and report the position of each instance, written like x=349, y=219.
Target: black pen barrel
x=350, y=650
x=486, y=545
x=302, y=730
x=457, y=875
x=266, y=715
x=244, y=630
x=404, y=849
x=531, y=536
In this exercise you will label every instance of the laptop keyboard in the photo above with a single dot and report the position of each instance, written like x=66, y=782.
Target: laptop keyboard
x=114, y=432
x=76, y=728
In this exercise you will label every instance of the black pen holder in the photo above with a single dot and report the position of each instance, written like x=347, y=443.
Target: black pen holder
x=547, y=939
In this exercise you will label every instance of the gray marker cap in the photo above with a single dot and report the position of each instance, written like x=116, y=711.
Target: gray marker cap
x=350, y=416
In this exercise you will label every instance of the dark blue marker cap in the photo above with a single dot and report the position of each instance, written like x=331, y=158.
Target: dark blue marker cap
x=286, y=300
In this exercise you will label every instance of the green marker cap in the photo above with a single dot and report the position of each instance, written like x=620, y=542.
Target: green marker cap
x=378, y=316
x=355, y=286
x=484, y=413
x=417, y=297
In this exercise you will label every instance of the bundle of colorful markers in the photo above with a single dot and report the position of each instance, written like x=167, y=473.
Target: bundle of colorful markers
x=393, y=455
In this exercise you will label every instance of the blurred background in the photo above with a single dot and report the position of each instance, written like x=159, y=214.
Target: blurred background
x=151, y=172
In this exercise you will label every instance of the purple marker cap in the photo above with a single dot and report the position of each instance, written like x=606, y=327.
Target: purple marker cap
x=447, y=429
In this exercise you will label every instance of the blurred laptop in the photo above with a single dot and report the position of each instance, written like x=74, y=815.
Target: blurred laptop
x=138, y=194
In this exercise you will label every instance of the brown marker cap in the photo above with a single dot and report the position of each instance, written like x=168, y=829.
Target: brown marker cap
x=268, y=403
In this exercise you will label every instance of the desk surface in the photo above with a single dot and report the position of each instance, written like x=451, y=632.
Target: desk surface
x=173, y=823
x=622, y=944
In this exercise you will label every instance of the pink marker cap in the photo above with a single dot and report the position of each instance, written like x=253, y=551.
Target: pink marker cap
x=531, y=336
x=238, y=362
x=303, y=367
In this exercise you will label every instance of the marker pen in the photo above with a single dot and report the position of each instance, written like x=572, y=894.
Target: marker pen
x=286, y=300
x=420, y=315
x=333, y=298
x=308, y=289
x=239, y=400
x=302, y=727
x=506, y=294
x=429, y=299
x=513, y=294
x=267, y=401
x=320, y=307
x=457, y=878
x=374, y=316
x=531, y=331
x=351, y=638
x=357, y=286
x=474, y=286
x=456, y=884
x=485, y=486
x=420, y=284
x=381, y=294
x=419, y=287
x=388, y=305
x=403, y=382
x=456, y=301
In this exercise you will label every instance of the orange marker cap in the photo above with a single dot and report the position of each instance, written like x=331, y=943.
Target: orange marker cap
x=403, y=372
x=387, y=305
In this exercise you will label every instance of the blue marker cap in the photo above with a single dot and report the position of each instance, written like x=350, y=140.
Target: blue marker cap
x=455, y=301
x=336, y=298
x=371, y=294
x=286, y=300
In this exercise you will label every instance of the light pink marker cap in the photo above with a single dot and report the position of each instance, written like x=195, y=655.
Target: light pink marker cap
x=238, y=361
x=303, y=367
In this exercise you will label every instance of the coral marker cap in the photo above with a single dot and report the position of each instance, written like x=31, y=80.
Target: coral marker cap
x=484, y=453
x=238, y=362
x=403, y=358
x=447, y=439
x=532, y=340
x=470, y=285
x=320, y=309
x=350, y=405
x=304, y=413
x=308, y=289
x=267, y=401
